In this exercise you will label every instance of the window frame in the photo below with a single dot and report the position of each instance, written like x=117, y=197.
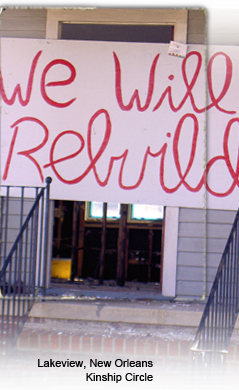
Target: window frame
x=130, y=219
x=89, y=218
x=174, y=17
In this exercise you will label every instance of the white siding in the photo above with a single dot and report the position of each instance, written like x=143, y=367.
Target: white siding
x=201, y=241
x=19, y=23
x=23, y=23
x=14, y=210
x=196, y=26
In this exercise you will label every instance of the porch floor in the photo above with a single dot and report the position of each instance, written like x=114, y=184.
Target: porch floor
x=109, y=290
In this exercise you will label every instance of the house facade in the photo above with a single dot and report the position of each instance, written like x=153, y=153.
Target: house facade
x=179, y=245
x=192, y=238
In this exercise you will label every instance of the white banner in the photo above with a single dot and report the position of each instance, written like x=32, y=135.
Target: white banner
x=122, y=122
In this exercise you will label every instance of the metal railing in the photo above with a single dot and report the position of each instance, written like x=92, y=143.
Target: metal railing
x=23, y=251
x=220, y=314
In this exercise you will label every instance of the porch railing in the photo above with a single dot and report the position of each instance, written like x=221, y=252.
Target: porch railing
x=23, y=263
x=220, y=314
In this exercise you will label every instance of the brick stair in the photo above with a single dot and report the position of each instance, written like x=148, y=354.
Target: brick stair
x=63, y=340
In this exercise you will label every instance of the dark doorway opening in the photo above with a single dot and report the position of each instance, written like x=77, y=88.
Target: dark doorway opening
x=78, y=236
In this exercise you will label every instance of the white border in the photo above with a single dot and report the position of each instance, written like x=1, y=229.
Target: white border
x=170, y=251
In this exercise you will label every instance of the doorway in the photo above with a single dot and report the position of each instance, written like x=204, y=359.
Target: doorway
x=78, y=228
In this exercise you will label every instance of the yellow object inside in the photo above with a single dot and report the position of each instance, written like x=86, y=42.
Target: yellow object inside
x=61, y=268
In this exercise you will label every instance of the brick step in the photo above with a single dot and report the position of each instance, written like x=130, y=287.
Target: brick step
x=64, y=339
x=167, y=346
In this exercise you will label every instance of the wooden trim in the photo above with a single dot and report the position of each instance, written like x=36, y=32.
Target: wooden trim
x=151, y=234
x=130, y=225
x=80, y=257
x=103, y=245
x=127, y=253
x=120, y=273
x=74, y=242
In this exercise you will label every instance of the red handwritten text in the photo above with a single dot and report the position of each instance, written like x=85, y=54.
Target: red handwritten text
x=17, y=90
x=168, y=90
x=93, y=160
x=85, y=144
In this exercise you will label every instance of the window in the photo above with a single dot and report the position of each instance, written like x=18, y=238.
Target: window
x=142, y=212
x=137, y=212
x=95, y=210
x=117, y=33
